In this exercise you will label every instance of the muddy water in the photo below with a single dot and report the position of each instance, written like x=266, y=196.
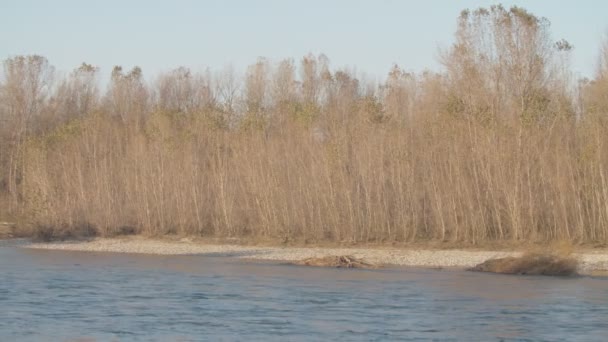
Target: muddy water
x=68, y=296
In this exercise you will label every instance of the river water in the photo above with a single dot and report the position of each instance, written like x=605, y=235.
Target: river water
x=74, y=296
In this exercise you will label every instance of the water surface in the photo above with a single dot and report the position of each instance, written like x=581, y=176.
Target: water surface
x=68, y=296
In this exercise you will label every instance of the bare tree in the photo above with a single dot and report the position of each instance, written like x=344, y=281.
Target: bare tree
x=79, y=93
x=127, y=95
x=309, y=75
x=26, y=87
x=27, y=81
x=227, y=86
x=284, y=88
x=400, y=93
x=175, y=91
x=501, y=62
x=344, y=95
x=256, y=91
x=595, y=91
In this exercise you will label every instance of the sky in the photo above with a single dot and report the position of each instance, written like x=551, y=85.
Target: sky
x=368, y=36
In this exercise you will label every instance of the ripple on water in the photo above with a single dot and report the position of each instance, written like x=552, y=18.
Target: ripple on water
x=45, y=296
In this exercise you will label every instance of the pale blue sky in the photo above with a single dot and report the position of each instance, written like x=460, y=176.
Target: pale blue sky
x=368, y=35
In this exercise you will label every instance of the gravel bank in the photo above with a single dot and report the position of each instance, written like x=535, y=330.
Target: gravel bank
x=591, y=262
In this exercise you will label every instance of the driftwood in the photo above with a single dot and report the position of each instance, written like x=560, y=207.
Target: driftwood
x=531, y=264
x=343, y=261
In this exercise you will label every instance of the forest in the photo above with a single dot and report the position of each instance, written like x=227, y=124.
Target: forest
x=503, y=144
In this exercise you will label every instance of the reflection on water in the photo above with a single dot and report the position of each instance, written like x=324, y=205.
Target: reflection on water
x=53, y=295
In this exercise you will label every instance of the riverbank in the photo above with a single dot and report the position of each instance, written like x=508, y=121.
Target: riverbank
x=591, y=261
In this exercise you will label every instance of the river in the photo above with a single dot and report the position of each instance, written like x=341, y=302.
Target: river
x=76, y=296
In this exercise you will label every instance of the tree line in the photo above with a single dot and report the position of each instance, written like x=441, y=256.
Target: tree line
x=502, y=144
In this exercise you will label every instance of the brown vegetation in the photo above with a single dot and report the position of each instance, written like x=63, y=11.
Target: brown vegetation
x=345, y=261
x=498, y=147
x=45, y=233
x=6, y=230
x=531, y=264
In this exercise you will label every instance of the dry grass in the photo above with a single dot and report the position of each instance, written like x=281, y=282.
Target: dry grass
x=531, y=264
x=554, y=259
x=344, y=261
